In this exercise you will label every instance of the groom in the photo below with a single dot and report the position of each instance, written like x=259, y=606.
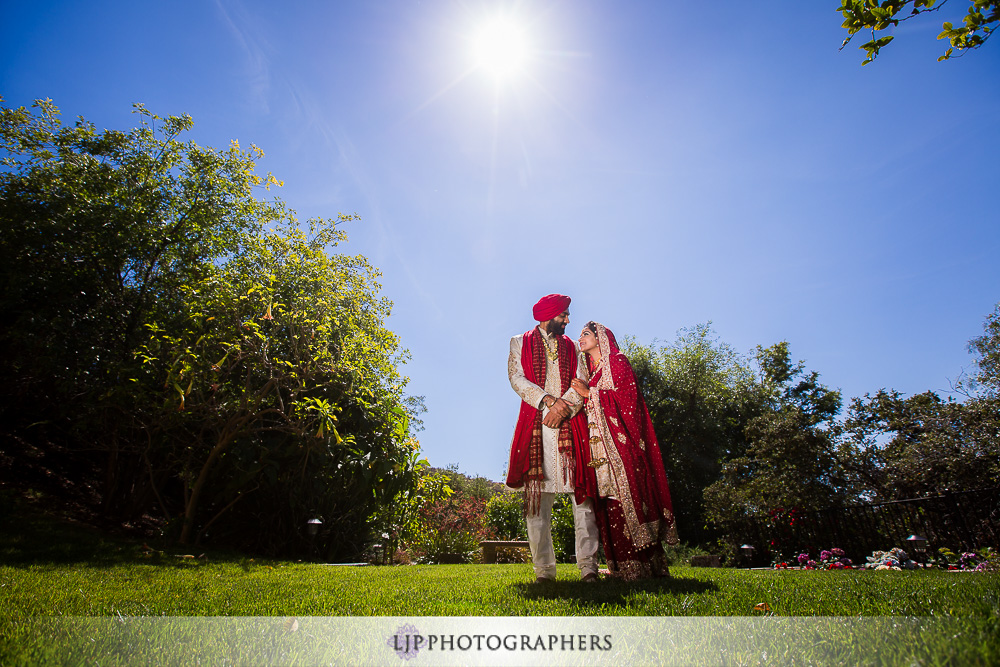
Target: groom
x=548, y=453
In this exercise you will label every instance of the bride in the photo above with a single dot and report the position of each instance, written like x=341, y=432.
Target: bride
x=633, y=508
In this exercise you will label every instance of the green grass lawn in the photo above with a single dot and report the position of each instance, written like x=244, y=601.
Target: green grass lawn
x=966, y=604
x=262, y=588
x=94, y=577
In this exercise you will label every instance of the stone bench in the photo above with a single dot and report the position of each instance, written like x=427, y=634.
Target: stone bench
x=490, y=548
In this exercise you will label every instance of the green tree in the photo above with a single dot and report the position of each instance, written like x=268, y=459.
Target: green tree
x=924, y=445
x=700, y=394
x=980, y=20
x=986, y=350
x=788, y=385
x=102, y=228
x=921, y=445
x=476, y=487
x=101, y=231
x=790, y=464
x=792, y=457
x=235, y=374
x=283, y=348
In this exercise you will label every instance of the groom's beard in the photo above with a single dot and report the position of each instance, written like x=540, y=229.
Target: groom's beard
x=556, y=328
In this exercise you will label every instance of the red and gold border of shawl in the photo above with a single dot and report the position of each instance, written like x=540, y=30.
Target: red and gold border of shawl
x=631, y=570
x=639, y=534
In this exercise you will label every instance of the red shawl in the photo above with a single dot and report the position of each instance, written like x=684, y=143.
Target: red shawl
x=525, y=449
x=636, y=460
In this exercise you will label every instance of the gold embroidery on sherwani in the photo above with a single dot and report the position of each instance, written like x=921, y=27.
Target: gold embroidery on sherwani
x=532, y=393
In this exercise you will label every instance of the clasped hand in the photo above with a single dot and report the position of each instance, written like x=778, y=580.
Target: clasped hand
x=558, y=411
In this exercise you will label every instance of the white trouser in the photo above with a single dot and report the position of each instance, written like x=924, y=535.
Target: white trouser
x=543, y=555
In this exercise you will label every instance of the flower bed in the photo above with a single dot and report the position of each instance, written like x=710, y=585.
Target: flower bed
x=985, y=560
x=894, y=559
x=828, y=559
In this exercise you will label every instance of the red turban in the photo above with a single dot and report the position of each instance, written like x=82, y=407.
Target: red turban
x=549, y=306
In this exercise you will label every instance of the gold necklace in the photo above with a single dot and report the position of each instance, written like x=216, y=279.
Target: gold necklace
x=552, y=355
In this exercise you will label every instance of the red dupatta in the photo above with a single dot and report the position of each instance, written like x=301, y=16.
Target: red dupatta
x=617, y=410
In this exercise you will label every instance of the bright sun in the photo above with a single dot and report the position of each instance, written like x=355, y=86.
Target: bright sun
x=500, y=48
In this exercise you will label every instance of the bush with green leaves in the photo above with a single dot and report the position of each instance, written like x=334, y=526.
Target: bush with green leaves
x=980, y=560
x=399, y=523
x=505, y=515
x=681, y=554
x=563, y=529
x=450, y=529
x=207, y=361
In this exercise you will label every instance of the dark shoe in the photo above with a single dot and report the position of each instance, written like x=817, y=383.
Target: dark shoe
x=591, y=577
x=543, y=580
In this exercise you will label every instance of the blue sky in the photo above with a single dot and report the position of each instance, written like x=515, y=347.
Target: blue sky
x=664, y=163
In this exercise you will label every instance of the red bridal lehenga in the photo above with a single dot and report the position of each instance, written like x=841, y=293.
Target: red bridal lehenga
x=633, y=508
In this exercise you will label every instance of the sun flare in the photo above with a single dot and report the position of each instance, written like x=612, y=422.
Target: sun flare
x=500, y=48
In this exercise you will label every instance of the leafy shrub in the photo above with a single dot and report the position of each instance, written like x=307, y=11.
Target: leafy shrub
x=563, y=530
x=446, y=546
x=984, y=560
x=453, y=526
x=399, y=521
x=680, y=554
x=505, y=515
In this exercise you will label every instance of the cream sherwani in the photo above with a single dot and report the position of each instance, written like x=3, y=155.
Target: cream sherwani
x=540, y=525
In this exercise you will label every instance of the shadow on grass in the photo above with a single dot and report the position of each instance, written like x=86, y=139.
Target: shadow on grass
x=610, y=591
x=32, y=539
